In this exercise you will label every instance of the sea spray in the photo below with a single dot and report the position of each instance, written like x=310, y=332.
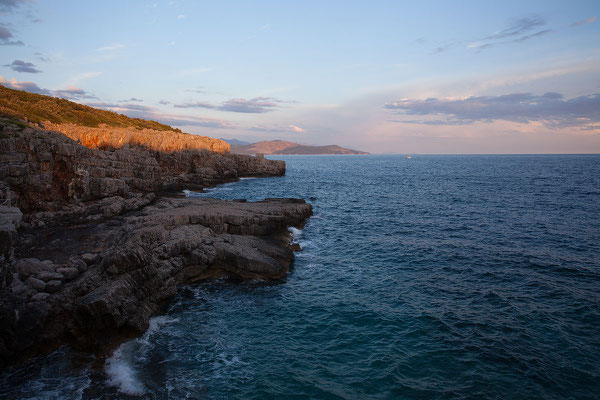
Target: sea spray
x=120, y=367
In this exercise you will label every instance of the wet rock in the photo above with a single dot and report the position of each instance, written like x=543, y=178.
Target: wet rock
x=31, y=266
x=47, y=276
x=89, y=258
x=36, y=284
x=53, y=286
x=40, y=297
x=69, y=273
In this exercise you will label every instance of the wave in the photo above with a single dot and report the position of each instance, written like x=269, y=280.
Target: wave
x=120, y=367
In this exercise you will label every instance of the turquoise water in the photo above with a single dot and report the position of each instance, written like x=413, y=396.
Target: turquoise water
x=430, y=277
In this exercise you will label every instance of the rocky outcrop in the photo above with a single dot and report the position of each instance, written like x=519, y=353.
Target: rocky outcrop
x=110, y=137
x=49, y=172
x=100, y=283
x=90, y=246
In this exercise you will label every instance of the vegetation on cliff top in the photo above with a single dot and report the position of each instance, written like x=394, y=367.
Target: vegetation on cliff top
x=39, y=108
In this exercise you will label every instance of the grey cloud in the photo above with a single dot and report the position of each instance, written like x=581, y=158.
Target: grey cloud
x=26, y=86
x=22, y=66
x=550, y=108
x=6, y=38
x=164, y=102
x=130, y=99
x=195, y=90
x=521, y=30
x=256, y=105
x=72, y=93
x=519, y=27
x=146, y=112
x=9, y=5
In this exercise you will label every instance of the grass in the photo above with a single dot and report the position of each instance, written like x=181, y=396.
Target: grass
x=38, y=108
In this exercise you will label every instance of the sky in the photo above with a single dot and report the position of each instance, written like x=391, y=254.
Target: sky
x=413, y=77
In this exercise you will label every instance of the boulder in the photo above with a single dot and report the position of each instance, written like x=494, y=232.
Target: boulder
x=53, y=286
x=36, y=284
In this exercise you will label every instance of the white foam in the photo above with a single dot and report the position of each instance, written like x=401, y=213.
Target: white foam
x=295, y=232
x=122, y=376
x=119, y=367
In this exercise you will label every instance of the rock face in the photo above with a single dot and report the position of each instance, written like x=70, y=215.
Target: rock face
x=138, y=261
x=110, y=137
x=90, y=246
x=47, y=171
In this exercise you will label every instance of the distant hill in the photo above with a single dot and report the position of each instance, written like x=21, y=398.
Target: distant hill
x=283, y=147
x=39, y=108
x=235, y=142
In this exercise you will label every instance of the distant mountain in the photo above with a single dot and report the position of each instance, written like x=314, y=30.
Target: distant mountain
x=235, y=142
x=283, y=147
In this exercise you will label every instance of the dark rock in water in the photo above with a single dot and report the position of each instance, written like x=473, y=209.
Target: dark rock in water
x=143, y=257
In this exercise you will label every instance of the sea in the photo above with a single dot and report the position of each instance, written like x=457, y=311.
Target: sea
x=442, y=277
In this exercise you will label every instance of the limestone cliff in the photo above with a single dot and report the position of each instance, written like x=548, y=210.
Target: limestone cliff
x=91, y=247
x=110, y=137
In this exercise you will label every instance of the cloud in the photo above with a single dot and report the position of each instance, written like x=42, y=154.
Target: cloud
x=296, y=129
x=519, y=27
x=6, y=38
x=181, y=16
x=10, y=5
x=584, y=21
x=164, y=102
x=111, y=47
x=130, y=99
x=256, y=105
x=147, y=112
x=550, y=108
x=41, y=57
x=73, y=93
x=519, y=31
x=22, y=66
x=26, y=86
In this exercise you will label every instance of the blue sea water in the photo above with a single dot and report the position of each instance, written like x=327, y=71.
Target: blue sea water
x=431, y=277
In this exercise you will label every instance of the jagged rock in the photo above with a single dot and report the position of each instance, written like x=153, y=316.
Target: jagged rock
x=137, y=245
x=36, y=284
x=53, y=286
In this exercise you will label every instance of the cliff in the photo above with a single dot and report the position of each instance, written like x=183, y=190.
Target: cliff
x=282, y=147
x=91, y=246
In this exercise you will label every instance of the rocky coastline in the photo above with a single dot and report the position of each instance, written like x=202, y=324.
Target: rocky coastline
x=93, y=242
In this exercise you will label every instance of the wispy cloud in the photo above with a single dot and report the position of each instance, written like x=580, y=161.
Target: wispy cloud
x=550, y=108
x=130, y=99
x=584, y=21
x=22, y=66
x=10, y=5
x=181, y=16
x=151, y=113
x=256, y=105
x=520, y=30
x=83, y=76
x=112, y=47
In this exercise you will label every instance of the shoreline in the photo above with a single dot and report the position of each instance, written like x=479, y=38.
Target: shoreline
x=90, y=266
